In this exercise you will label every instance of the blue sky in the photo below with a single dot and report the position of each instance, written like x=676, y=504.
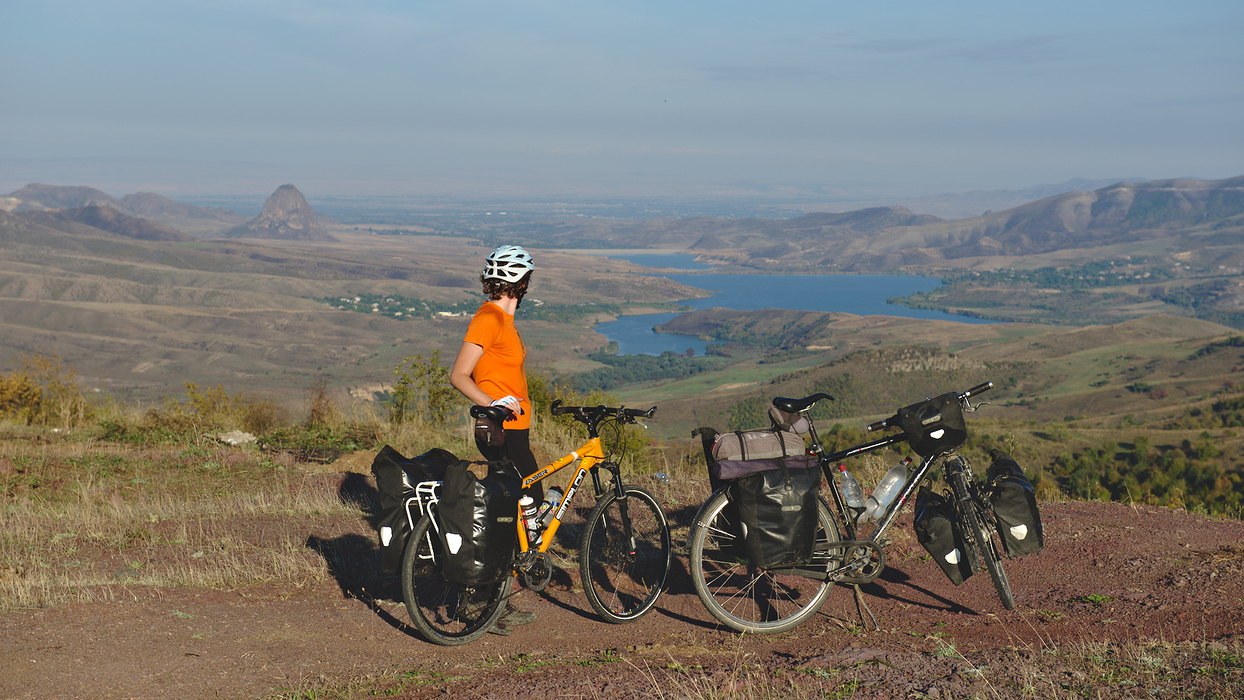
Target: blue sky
x=556, y=98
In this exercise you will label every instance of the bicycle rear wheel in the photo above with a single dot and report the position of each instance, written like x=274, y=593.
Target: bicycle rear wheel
x=624, y=575
x=445, y=612
x=747, y=598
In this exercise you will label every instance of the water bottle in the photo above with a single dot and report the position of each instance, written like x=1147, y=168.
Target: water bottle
x=851, y=491
x=528, y=506
x=885, y=492
x=551, y=500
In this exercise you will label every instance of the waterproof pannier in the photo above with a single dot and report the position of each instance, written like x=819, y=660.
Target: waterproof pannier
x=777, y=511
x=396, y=478
x=1015, y=506
x=937, y=530
x=773, y=501
x=478, y=519
x=934, y=425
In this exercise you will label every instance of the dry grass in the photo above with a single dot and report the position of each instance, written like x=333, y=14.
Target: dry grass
x=80, y=517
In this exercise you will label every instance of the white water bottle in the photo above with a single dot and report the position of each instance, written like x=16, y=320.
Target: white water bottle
x=551, y=500
x=851, y=491
x=528, y=506
x=885, y=492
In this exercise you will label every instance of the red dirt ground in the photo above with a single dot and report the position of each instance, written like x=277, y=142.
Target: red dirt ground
x=1108, y=572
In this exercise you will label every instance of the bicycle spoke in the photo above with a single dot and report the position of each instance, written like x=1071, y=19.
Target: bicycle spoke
x=623, y=576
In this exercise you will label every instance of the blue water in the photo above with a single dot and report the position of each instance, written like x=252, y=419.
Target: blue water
x=863, y=295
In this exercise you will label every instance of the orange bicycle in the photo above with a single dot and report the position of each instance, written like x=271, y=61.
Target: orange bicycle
x=624, y=548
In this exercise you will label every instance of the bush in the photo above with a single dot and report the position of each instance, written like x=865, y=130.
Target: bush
x=423, y=389
x=44, y=392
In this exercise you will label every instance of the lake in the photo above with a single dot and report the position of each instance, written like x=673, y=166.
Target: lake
x=863, y=295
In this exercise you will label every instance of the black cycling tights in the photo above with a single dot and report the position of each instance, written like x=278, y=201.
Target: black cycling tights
x=518, y=443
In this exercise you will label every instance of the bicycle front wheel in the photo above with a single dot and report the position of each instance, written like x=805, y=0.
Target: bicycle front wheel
x=445, y=612
x=974, y=522
x=746, y=598
x=624, y=555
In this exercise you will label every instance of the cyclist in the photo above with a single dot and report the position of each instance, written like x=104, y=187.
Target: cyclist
x=489, y=370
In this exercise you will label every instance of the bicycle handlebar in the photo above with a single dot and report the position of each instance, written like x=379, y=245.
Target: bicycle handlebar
x=589, y=413
x=893, y=421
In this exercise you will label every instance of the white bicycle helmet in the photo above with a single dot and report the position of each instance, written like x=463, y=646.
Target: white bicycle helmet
x=508, y=263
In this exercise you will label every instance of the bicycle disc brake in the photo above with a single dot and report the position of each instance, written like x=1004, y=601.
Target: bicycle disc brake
x=536, y=573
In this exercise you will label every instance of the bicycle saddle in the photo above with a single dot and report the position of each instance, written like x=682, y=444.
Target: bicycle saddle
x=790, y=405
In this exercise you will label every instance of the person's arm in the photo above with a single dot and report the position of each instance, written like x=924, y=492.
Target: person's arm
x=460, y=374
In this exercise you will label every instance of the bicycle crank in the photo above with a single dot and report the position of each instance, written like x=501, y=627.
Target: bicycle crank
x=535, y=572
x=864, y=562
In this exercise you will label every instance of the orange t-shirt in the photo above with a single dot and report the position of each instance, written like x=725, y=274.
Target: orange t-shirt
x=500, y=371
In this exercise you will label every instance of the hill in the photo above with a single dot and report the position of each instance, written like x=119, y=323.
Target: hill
x=202, y=222
x=285, y=216
x=1158, y=217
x=96, y=217
x=38, y=197
x=198, y=221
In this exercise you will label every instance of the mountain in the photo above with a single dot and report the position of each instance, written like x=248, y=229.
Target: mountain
x=200, y=222
x=37, y=197
x=105, y=218
x=1166, y=216
x=1120, y=213
x=964, y=205
x=285, y=216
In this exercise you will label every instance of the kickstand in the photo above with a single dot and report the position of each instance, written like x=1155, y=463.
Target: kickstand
x=861, y=607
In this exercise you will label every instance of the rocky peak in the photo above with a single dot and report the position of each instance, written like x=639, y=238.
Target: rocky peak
x=287, y=216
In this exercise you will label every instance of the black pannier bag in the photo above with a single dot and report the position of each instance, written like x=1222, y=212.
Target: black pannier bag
x=772, y=505
x=777, y=511
x=396, y=478
x=934, y=425
x=478, y=519
x=937, y=530
x=1015, y=506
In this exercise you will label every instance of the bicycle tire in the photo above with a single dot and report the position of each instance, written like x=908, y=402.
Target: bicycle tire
x=959, y=489
x=974, y=522
x=749, y=599
x=622, y=580
x=444, y=612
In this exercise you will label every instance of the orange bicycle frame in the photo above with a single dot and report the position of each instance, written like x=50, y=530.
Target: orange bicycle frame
x=589, y=455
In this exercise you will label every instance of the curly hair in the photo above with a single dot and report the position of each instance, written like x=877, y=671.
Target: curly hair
x=495, y=288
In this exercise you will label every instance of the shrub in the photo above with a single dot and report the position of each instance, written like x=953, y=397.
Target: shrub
x=44, y=392
x=423, y=388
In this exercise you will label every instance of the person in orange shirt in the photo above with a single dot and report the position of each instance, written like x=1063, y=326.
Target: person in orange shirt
x=489, y=370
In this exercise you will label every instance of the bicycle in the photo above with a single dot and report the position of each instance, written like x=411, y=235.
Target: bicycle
x=624, y=550
x=756, y=600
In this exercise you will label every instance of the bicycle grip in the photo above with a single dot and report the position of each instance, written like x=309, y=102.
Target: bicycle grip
x=556, y=408
x=979, y=388
x=881, y=424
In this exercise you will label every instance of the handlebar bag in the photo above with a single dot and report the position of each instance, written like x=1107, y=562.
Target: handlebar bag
x=937, y=530
x=1015, y=506
x=777, y=510
x=478, y=519
x=934, y=425
x=396, y=478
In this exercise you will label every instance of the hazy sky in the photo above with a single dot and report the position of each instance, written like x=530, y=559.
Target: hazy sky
x=580, y=97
